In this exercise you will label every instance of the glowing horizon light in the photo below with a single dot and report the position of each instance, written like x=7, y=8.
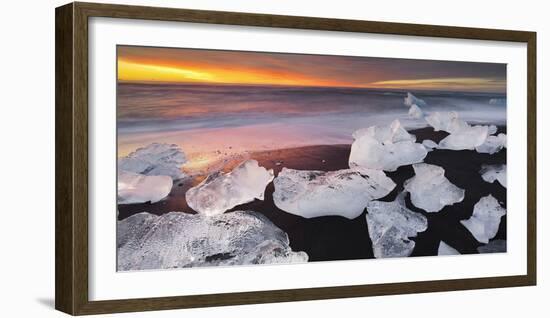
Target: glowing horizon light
x=433, y=83
x=148, y=72
x=196, y=66
x=128, y=71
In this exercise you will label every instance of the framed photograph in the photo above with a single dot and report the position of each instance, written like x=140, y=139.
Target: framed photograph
x=218, y=158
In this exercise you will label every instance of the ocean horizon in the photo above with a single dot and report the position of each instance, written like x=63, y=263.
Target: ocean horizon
x=230, y=119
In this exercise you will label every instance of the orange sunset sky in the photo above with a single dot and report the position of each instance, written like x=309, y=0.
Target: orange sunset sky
x=169, y=65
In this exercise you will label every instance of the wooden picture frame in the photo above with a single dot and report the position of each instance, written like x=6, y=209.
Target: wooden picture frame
x=71, y=90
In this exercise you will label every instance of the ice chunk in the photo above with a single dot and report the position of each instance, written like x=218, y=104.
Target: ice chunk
x=445, y=249
x=490, y=173
x=492, y=144
x=484, y=222
x=445, y=121
x=173, y=240
x=155, y=159
x=492, y=130
x=413, y=100
x=391, y=225
x=223, y=191
x=430, y=190
x=386, y=134
x=316, y=193
x=462, y=135
x=429, y=144
x=368, y=153
x=138, y=188
x=385, y=148
x=415, y=112
x=495, y=246
x=465, y=138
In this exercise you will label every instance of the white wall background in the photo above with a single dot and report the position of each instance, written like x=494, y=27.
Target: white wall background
x=27, y=158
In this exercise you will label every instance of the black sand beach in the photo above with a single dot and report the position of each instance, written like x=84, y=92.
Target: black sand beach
x=337, y=238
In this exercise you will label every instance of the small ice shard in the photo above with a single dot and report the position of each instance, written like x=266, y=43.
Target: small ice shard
x=391, y=225
x=494, y=246
x=492, y=144
x=490, y=173
x=429, y=144
x=415, y=112
x=430, y=190
x=385, y=148
x=155, y=159
x=497, y=101
x=138, y=188
x=492, y=130
x=445, y=249
x=174, y=240
x=484, y=222
x=223, y=191
x=346, y=192
x=413, y=100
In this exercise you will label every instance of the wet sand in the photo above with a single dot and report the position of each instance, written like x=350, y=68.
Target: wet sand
x=337, y=238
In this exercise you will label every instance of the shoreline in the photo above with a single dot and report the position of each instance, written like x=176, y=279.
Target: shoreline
x=336, y=238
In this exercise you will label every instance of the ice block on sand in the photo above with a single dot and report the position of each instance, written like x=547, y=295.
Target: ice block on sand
x=390, y=226
x=462, y=136
x=490, y=173
x=176, y=239
x=445, y=249
x=430, y=190
x=156, y=159
x=413, y=100
x=484, y=222
x=139, y=188
x=492, y=144
x=385, y=148
x=345, y=192
x=220, y=191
